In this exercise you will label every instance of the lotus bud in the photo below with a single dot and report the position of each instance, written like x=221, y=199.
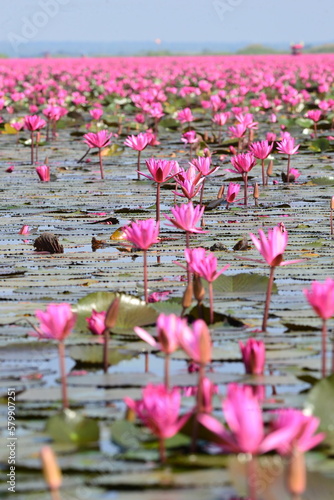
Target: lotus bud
x=199, y=291
x=221, y=192
x=187, y=296
x=256, y=193
x=51, y=470
x=270, y=168
x=296, y=475
x=112, y=313
x=205, y=344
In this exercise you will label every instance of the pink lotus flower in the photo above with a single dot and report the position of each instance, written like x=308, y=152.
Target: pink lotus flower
x=232, y=191
x=303, y=427
x=190, y=182
x=205, y=265
x=321, y=298
x=246, y=429
x=253, y=356
x=207, y=391
x=159, y=296
x=99, y=139
x=261, y=149
x=220, y=118
x=137, y=142
x=43, y=172
x=152, y=138
x=17, y=125
x=247, y=120
x=314, y=114
x=294, y=174
x=242, y=163
x=33, y=123
x=270, y=136
x=185, y=115
x=56, y=322
x=24, y=230
x=273, y=247
x=196, y=342
x=96, y=113
x=96, y=322
x=190, y=137
x=143, y=233
x=160, y=170
x=203, y=165
x=187, y=217
x=169, y=327
x=287, y=146
x=159, y=410
x=237, y=131
x=140, y=118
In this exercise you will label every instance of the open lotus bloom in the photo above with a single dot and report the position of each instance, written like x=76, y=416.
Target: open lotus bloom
x=159, y=410
x=143, y=233
x=187, y=217
x=99, y=139
x=321, y=297
x=246, y=431
x=170, y=328
x=56, y=322
x=272, y=247
x=303, y=427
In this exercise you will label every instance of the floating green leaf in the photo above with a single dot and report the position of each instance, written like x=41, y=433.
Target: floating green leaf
x=319, y=145
x=242, y=284
x=70, y=427
x=321, y=402
x=132, y=311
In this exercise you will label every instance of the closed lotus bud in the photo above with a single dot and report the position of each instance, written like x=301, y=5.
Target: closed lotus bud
x=112, y=313
x=199, y=291
x=296, y=475
x=270, y=168
x=332, y=203
x=205, y=344
x=51, y=470
x=46, y=161
x=221, y=192
x=256, y=192
x=187, y=296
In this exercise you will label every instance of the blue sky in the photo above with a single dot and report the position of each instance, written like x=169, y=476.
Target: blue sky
x=170, y=20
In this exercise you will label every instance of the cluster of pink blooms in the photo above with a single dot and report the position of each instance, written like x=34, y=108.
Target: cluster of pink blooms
x=236, y=97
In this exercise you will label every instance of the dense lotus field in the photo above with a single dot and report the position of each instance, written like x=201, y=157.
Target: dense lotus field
x=166, y=262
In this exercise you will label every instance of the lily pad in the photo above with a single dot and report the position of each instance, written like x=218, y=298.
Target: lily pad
x=242, y=284
x=320, y=145
x=132, y=311
x=71, y=427
x=320, y=402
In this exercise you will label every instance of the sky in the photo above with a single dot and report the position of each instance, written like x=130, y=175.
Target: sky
x=169, y=20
